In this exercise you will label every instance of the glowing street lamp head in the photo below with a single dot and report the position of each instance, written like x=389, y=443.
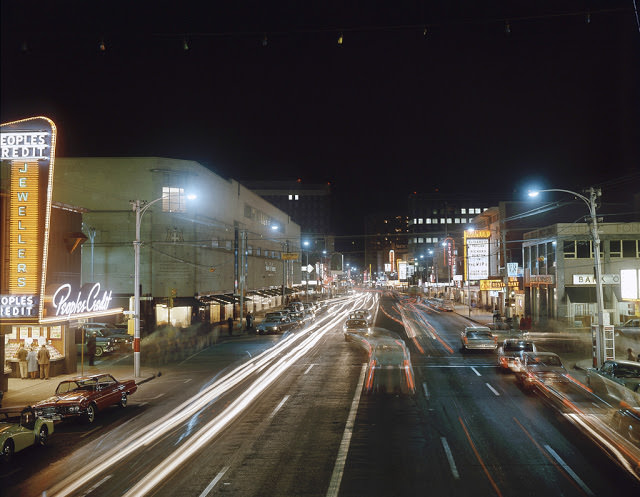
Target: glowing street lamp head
x=192, y=196
x=305, y=243
x=534, y=193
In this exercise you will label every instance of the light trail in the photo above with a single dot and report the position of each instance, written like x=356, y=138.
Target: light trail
x=148, y=435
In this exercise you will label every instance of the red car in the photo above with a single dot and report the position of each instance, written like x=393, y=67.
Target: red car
x=84, y=396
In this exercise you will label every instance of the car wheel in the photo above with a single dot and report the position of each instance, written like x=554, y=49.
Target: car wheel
x=90, y=415
x=99, y=351
x=43, y=436
x=123, y=401
x=7, y=451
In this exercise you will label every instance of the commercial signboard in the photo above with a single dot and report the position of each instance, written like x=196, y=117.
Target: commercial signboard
x=27, y=150
x=630, y=284
x=590, y=279
x=476, y=254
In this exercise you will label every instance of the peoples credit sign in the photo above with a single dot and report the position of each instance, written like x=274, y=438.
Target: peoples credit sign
x=476, y=254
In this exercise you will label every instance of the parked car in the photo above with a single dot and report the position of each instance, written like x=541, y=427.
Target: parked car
x=510, y=353
x=478, y=338
x=82, y=397
x=446, y=305
x=630, y=328
x=300, y=318
x=605, y=380
x=104, y=345
x=540, y=369
x=295, y=306
x=18, y=433
x=121, y=338
x=276, y=322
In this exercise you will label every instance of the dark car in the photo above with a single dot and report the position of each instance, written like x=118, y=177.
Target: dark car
x=630, y=328
x=121, y=339
x=82, y=397
x=104, y=344
x=613, y=376
x=276, y=322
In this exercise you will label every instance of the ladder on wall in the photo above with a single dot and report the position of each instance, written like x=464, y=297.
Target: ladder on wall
x=609, y=343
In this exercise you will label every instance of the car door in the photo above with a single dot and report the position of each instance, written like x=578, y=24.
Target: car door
x=105, y=392
x=24, y=435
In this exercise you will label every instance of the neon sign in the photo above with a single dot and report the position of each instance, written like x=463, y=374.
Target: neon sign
x=90, y=301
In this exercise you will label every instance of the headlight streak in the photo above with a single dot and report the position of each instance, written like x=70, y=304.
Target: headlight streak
x=211, y=429
x=146, y=436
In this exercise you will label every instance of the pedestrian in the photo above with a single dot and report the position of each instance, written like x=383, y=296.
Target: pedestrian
x=249, y=320
x=44, y=362
x=32, y=363
x=21, y=355
x=630, y=355
x=91, y=348
x=230, y=324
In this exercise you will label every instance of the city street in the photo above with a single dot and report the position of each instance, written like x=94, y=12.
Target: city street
x=284, y=415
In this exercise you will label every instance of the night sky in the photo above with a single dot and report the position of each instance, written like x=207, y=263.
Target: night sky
x=466, y=108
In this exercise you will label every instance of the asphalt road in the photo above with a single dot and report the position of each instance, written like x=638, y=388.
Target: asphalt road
x=285, y=415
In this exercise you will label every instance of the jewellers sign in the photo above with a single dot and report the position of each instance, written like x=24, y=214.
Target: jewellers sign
x=27, y=148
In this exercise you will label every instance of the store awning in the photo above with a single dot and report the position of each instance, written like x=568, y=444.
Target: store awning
x=580, y=295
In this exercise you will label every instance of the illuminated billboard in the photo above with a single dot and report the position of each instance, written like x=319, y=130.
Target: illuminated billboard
x=476, y=254
x=27, y=150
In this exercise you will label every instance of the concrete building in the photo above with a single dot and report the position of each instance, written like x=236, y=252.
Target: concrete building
x=201, y=258
x=559, y=277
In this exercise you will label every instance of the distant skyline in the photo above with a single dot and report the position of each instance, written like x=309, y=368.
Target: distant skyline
x=493, y=98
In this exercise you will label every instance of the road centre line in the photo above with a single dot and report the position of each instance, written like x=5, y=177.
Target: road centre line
x=426, y=392
x=214, y=482
x=452, y=463
x=566, y=467
x=493, y=390
x=477, y=454
x=341, y=459
x=273, y=413
x=309, y=368
x=87, y=433
x=475, y=371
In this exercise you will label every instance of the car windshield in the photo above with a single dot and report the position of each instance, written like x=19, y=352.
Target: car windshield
x=552, y=361
x=518, y=347
x=479, y=334
x=67, y=386
x=356, y=323
x=273, y=316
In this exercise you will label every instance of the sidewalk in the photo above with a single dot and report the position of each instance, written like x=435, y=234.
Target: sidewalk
x=26, y=392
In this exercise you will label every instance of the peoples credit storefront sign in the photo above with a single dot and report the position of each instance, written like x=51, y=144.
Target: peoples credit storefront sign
x=27, y=150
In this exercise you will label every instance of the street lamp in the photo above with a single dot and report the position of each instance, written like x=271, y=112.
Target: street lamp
x=140, y=207
x=594, y=193
x=306, y=291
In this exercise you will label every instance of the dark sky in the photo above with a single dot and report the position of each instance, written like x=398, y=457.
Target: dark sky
x=466, y=108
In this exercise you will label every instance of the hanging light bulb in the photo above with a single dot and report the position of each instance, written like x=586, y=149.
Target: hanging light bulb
x=185, y=45
x=101, y=46
x=340, y=39
x=507, y=27
x=588, y=19
x=265, y=41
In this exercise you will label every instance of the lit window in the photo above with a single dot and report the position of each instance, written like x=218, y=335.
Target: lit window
x=427, y=221
x=449, y=220
x=477, y=210
x=173, y=199
x=435, y=221
x=420, y=221
x=420, y=240
x=457, y=220
x=415, y=240
x=441, y=220
x=296, y=197
x=290, y=197
x=464, y=219
x=435, y=240
x=428, y=240
x=415, y=221
x=463, y=211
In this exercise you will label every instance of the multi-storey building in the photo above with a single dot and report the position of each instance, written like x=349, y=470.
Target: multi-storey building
x=386, y=238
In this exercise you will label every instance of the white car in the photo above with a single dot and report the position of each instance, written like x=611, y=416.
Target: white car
x=510, y=353
x=478, y=338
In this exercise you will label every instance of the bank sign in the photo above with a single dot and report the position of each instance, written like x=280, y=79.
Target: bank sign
x=27, y=149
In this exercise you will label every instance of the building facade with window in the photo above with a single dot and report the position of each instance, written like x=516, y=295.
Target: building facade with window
x=385, y=244
x=437, y=222
x=559, y=277
x=198, y=256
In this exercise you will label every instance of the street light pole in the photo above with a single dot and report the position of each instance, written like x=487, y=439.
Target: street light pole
x=591, y=204
x=139, y=208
